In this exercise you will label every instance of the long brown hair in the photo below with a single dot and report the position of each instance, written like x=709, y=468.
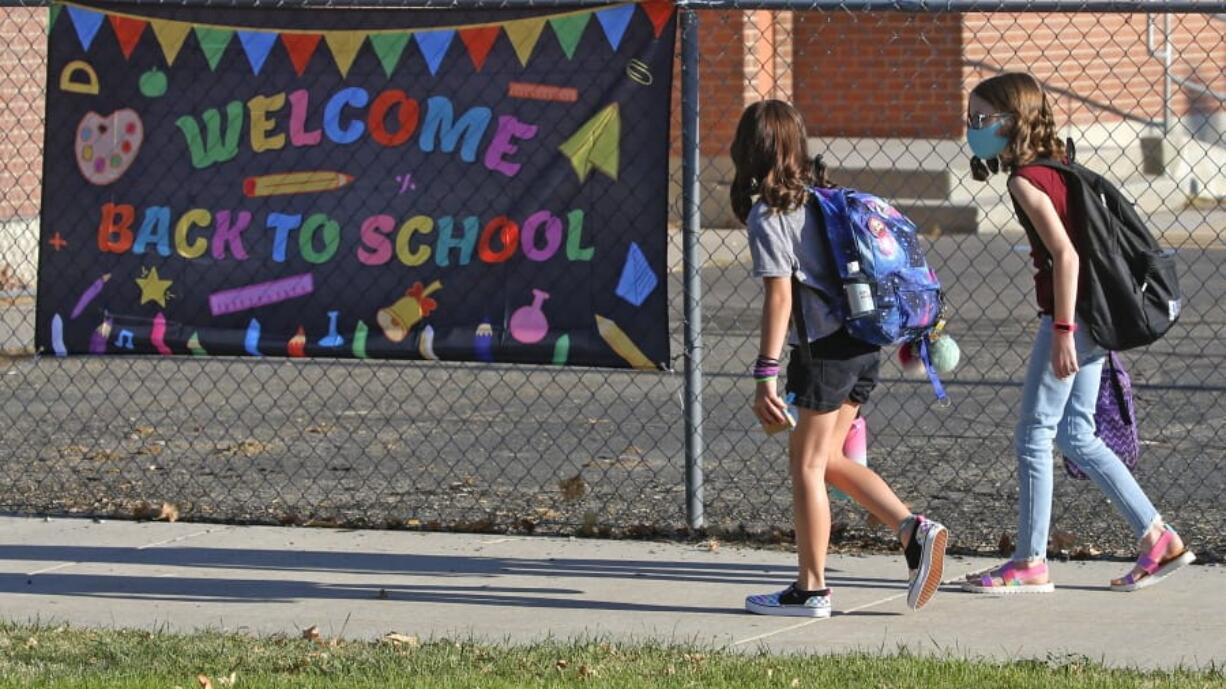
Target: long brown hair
x=1032, y=129
x=771, y=159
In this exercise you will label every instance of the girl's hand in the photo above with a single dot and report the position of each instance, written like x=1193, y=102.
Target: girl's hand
x=767, y=405
x=1063, y=354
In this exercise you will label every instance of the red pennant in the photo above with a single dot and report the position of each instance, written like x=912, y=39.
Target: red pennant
x=479, y=42
x=659, y=11
x=128, y=31
x=300, y=46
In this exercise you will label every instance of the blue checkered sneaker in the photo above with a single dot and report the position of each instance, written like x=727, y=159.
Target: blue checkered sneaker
x=790, y=602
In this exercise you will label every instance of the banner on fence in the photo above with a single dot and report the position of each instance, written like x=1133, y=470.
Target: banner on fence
x=426, y=184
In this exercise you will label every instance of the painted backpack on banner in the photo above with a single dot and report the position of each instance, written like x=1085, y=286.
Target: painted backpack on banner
x=893, y=296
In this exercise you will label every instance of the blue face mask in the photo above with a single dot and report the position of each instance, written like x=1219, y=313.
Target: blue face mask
x=987, y=143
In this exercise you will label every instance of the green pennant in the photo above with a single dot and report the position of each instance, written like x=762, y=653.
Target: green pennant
x=213, y=42
x=389, y=47
x=54, y=14
x=569, y=30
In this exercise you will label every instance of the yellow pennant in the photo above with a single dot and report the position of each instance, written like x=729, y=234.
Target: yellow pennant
x=524, y=34
x=344, y=46
x=170, y=36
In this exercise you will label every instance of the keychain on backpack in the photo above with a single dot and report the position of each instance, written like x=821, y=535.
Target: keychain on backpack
x=943, y=351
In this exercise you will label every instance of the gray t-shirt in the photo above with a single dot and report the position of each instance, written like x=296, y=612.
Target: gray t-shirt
x=786, y=244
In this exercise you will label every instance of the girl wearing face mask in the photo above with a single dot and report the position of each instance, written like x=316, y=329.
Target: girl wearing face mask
x=1009, y=126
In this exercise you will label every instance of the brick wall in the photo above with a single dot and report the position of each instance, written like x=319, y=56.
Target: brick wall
x=1095, y=65
x=22, y=73
x=878, y=74
x=1200, y=55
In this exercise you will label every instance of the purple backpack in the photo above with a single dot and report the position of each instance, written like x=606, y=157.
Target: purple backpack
x=1114, y=417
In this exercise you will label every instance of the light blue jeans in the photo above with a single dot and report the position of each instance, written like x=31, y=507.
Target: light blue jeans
x=1063, y=411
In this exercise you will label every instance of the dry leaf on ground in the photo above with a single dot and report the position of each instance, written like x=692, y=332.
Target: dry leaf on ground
x=168, y=512
x=204, y=681
x=398, y=639
x=572, y=488
x=1005, y=545
x=1063, y=540
x=311, y=633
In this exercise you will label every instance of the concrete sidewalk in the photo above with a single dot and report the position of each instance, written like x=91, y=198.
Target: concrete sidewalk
x=363, y=584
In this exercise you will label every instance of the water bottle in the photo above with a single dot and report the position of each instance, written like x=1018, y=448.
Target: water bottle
x=855, y=448
x=859, y=293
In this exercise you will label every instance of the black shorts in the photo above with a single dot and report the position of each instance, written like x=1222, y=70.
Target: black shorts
x=842, y=369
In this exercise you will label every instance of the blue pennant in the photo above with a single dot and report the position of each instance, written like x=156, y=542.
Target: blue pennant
x=257, y=45
x=86, y=23
x=614, y=22
x=433, y=46
x=637, y=280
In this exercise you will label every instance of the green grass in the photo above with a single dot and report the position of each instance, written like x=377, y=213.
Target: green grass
x=40, y=656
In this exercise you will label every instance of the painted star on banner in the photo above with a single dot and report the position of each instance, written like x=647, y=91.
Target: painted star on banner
x=152, y=287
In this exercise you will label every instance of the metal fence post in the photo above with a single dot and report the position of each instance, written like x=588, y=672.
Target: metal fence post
x=691, y=202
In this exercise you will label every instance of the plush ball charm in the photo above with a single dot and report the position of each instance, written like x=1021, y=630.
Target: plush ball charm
x=908, y=358
x=945, y=354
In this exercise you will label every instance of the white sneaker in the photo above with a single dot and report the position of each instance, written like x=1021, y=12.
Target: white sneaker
x=926, y=580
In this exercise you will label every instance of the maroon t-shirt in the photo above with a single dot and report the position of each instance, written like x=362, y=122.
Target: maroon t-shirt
x=1050, y=182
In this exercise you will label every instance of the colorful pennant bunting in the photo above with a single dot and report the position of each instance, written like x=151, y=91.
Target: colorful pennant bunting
x=659, y=11
x=524, y=34
x=53, y=14
x=213, y=41
x=86, y=22
x=614, y=21
x=569, y=29
x=256, y=46
x=388, y=48
x=433, y=46
x=300, y=46
x=344, y=46
x=479, y=41
x=170, y=36
x=128, y=32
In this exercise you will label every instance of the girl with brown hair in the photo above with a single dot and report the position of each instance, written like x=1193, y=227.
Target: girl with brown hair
x=769, y=194
x=1010, y=126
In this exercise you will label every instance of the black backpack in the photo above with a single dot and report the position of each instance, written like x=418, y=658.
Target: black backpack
x=1128, y=293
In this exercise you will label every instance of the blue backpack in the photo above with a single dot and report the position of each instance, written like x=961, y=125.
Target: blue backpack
x=863, y=230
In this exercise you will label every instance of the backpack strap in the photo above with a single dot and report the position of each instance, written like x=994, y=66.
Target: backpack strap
x=1069, y=172
x=798, y=321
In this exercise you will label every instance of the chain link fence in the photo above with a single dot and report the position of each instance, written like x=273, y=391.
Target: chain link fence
x=571, y=450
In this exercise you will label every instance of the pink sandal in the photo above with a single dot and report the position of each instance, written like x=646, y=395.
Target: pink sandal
x=1012, y=577
x=1155, y=570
